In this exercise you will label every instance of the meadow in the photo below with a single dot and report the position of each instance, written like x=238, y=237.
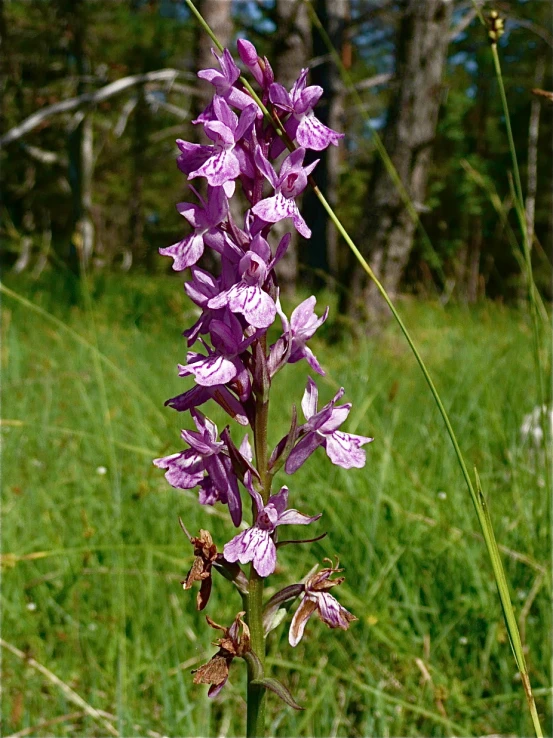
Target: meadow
x=93, y=555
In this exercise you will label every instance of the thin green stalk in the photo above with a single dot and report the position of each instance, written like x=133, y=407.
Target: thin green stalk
x=477, y=499
x=119, y=601
x=255, y=721
x=256, y=700
x=531, y=286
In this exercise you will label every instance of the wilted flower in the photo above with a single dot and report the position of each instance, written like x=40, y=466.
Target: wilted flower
x=232, y=644
x=316, y=598
x=205, y=552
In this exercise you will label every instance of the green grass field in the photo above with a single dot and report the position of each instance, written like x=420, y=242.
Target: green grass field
x=93, y=553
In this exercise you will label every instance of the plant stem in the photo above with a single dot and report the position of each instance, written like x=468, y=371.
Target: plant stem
x=255, y=724
x=527, y=249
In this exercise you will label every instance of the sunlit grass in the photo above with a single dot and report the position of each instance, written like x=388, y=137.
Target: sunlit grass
x=429, y=655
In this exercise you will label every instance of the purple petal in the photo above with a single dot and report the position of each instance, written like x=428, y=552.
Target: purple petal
x=264, y=167
x=337, y=418
x=223, y=476
x=211, y=370
x=187, y=400
x=294, y=517
x=246, y=449
x=217, y=206
x=192, y=213
x=225, y=115
x=308, y=98
x=254, y=494
x=214, y=689
x=185, y=253
x=192, y=155
x=246, y=121
x=302, y=451
x=280, y=500
x=254, y=545
x=273, y=209
x=292, y=163
x=184, y=470
x=201, y=287
x=228, y=65
x=219, y=168
x=310, y=399
x=331, y=611
x=343, y=449
x=279, y=96
x=301, y=225
x=312, y=134
x=255, y=304
x=311, y=360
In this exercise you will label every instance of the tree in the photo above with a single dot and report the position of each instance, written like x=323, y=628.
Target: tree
x=388, y=229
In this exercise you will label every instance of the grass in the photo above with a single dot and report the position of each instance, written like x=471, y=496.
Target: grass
x=429, y=655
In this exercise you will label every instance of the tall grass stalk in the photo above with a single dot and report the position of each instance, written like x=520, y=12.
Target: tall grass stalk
x=118, y=603
x=476, y=495
x=527, y=249
x=529, y=277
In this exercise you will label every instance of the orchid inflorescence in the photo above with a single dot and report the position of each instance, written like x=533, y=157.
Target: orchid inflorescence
x=233, y=363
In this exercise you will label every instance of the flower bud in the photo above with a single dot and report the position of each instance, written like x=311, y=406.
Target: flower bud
x=248, y=54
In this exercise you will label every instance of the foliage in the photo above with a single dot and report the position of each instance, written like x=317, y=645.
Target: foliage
x=108, y=582
x=132, y=180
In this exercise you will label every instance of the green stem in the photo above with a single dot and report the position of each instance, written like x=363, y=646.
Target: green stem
x=255, y=723
x=527, y=248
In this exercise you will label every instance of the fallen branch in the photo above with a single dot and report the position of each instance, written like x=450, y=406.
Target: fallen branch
x=86, y=100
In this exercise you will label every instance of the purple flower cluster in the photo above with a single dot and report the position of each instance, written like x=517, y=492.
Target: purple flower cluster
x=229, y=356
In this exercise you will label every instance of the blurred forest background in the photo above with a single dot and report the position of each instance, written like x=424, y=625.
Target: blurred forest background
x=95, y=94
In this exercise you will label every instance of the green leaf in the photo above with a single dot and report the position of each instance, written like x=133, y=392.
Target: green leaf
x=279, y=689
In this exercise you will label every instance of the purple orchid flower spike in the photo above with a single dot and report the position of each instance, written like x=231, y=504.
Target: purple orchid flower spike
x=302, y=124
x=303, y=324
x=204, y=219
x=223, y=162
x=291, y=181
x=256, y=543
x=224, y=81
x=247, y=297
x=185, y=470
x=316, y=598
x=321, y=429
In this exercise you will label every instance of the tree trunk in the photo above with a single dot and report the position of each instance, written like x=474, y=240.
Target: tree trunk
x=388, y=231
x=321, y=252
x=80, y=149
x=292, y=52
